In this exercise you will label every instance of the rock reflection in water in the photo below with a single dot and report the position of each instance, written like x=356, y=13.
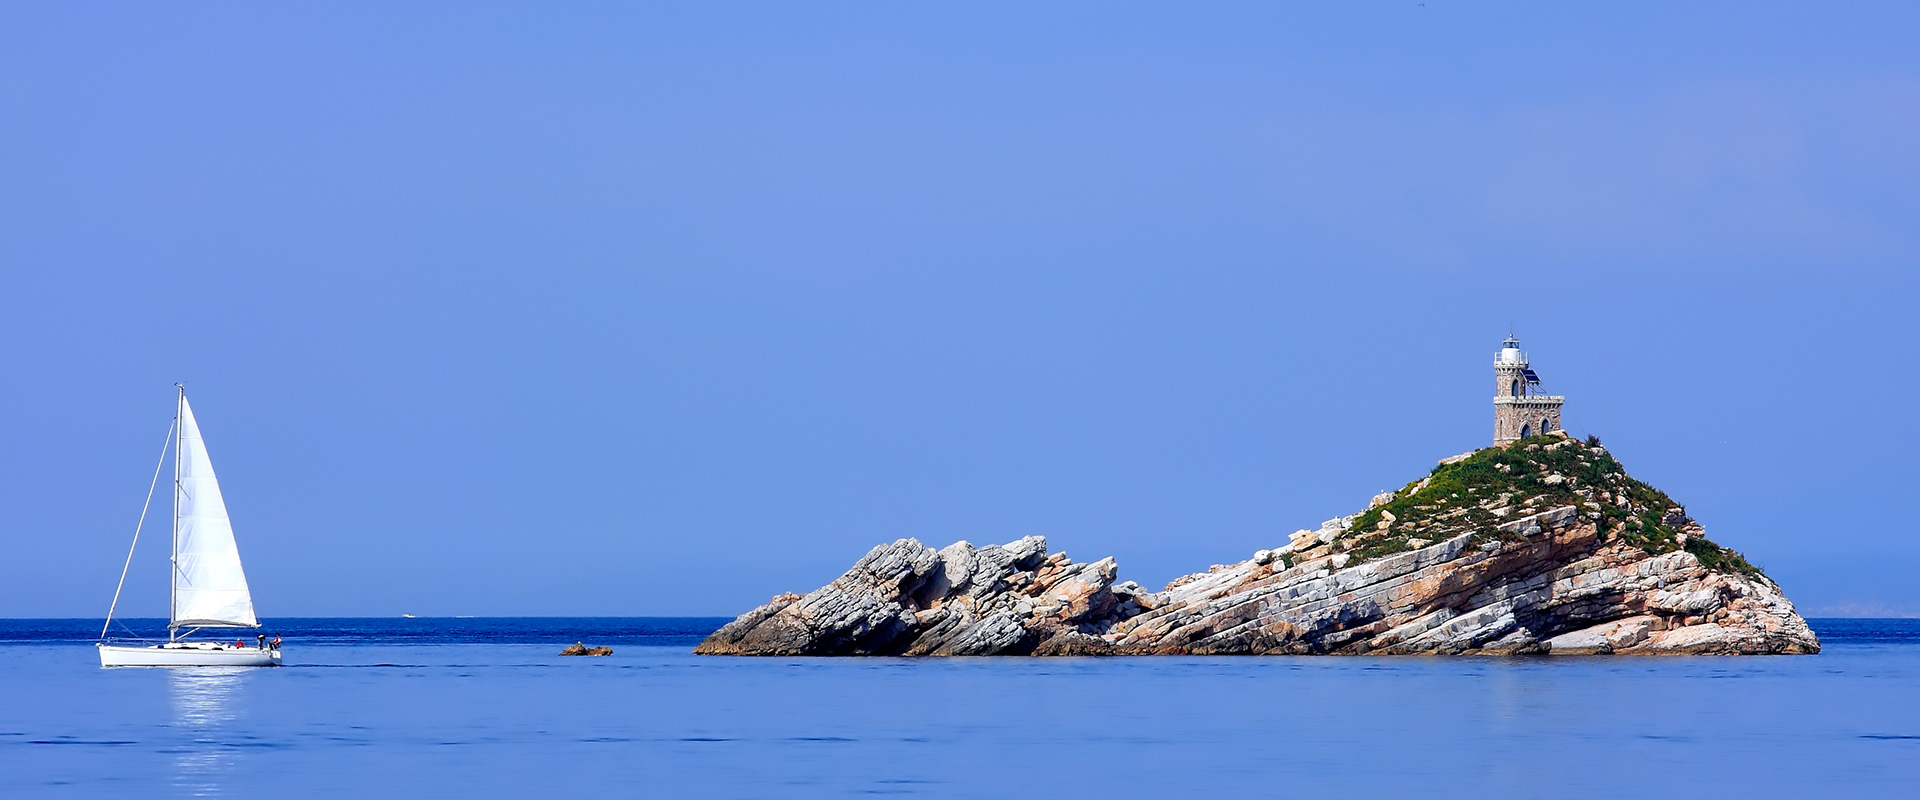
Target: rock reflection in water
x=205, y=700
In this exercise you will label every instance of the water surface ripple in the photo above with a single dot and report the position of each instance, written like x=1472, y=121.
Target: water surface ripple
x=484, y=707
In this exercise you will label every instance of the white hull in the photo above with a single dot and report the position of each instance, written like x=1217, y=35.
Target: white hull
x=182, y=654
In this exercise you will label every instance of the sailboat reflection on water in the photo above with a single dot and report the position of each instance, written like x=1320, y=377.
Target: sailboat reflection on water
x=206, y=703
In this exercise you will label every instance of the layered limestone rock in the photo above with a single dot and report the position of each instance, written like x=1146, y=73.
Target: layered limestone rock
x=1542, y=546
x=906, y=598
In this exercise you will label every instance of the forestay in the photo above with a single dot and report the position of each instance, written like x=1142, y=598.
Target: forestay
x=209, y=587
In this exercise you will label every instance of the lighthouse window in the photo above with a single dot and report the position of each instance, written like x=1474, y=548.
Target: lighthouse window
x=1514, y=389
x=1526, y=431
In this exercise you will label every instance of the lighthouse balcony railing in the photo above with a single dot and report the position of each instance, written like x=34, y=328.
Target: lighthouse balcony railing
x=1531, y=398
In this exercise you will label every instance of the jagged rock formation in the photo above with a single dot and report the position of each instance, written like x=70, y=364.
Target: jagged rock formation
x=1541, y=546
x=908, y=599
x=579, y=649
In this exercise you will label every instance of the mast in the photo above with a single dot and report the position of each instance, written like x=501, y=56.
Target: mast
x=173, y=556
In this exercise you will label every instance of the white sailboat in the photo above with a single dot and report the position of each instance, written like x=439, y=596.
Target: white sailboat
x=209, y=587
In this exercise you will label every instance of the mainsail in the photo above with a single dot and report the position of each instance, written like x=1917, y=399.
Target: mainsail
x=208, y=586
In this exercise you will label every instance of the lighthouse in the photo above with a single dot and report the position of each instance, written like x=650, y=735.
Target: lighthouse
x=1519, y=409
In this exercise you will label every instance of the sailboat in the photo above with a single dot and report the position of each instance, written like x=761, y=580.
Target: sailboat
x=209, y=587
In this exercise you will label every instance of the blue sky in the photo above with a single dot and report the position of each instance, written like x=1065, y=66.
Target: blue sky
x=509, y=309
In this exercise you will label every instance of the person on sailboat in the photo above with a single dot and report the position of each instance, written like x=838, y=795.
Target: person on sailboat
x=262, y=639
x=276, y=642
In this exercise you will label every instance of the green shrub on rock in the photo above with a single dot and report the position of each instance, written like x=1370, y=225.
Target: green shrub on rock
x=1498, y=484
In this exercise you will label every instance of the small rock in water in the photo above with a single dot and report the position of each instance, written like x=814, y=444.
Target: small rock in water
x=578, y=649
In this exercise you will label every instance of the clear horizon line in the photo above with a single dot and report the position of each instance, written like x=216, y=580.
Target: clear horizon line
x=616, y=616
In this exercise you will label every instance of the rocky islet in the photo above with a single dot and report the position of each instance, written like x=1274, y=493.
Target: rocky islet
x=1543, y=546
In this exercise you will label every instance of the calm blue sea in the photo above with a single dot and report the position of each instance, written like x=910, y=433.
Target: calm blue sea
x=484, y=708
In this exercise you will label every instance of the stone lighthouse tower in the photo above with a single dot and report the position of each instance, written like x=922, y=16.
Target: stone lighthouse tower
x=1518, y=411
